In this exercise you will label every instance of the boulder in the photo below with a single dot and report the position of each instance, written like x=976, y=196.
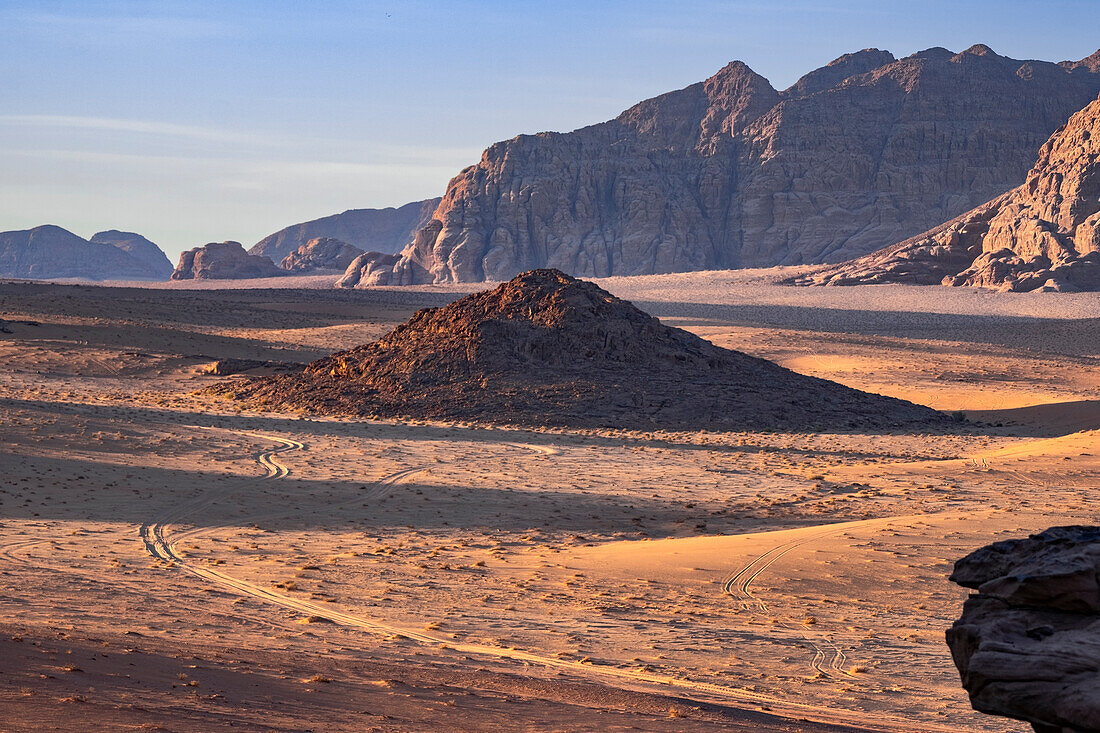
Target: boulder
x=321, y=253
x=1027, y=645
x=223, y=261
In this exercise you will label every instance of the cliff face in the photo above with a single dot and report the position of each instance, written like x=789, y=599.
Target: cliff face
x=48, y=252
x=732, y=173
x=1045, y=233
x=382, y=230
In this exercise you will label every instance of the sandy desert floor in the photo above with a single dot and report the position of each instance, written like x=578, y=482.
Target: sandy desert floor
x=170, y=562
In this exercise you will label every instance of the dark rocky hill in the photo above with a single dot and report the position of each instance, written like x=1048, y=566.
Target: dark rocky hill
x=547, y=349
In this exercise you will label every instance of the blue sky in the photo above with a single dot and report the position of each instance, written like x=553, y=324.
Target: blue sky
x=203, y=121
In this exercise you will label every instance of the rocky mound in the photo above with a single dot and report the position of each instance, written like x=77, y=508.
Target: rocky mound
x=1044, y=234
x=1028, y=643
x=730, y=172
x=379, y=230
x=48, y=252
x=321, y=253
x=547, y=349
x=139, y=248
x=223, y=261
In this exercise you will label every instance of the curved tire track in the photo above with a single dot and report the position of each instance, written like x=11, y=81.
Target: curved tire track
x=158, y=544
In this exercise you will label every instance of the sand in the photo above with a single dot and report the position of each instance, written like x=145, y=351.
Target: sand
x=169, y=561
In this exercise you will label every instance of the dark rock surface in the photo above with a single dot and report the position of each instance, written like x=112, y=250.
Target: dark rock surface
x=1028, y=643
x=49, y=252
x=223, y=261
x=547, y=349
x=227, y=367
x=730, y=173
x=380, y=230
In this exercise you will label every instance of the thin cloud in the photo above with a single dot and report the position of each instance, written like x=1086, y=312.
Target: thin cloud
x=146, y=127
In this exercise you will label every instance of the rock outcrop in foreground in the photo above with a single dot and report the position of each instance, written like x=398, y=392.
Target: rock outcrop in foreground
x=547, y=349
x=1028, y=643
x=50, y=252
x=731, y=173
x=223, y=261
x=320, y=253
x=379, y=230
x=1044, y=234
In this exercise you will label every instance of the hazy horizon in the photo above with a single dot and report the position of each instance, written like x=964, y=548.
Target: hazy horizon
x=191, y=123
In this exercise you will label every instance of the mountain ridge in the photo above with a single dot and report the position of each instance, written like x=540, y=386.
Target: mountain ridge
x=729, y=172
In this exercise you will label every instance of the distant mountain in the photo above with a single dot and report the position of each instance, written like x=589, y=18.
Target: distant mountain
x=321, y=253
x=49, y=252
x=138, y=247
x=730, y=172
x=380, y=230
x=1044, y=234
x=223, y=261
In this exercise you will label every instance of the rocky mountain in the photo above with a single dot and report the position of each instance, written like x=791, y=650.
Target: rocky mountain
x=547, y=349
x=1028, y=643
x=223, y=261
x=731, y=173
x=321, y=253
x=1044, y=234
x=139, y=248
x=48, y=252
x=380, y=230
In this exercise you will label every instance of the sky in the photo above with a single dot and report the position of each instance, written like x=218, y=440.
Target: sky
x=192, y=122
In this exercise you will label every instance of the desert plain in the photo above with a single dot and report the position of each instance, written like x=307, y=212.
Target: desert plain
x=172, y=561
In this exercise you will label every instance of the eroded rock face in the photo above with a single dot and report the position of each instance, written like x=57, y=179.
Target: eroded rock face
x=320, y=253
x=48, y=251
x=731, y=173
x=1028, y=643
x=547, y=349
x=223, y=261
x=1044, y=234
x=379, y=230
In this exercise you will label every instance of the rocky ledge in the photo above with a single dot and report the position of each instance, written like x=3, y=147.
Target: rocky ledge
x=1028, y=643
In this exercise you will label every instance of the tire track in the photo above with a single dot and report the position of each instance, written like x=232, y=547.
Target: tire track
x=159, y=544
x=738, y=584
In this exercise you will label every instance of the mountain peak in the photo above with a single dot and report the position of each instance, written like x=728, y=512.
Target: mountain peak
x=839, y=69
x=980, y=49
